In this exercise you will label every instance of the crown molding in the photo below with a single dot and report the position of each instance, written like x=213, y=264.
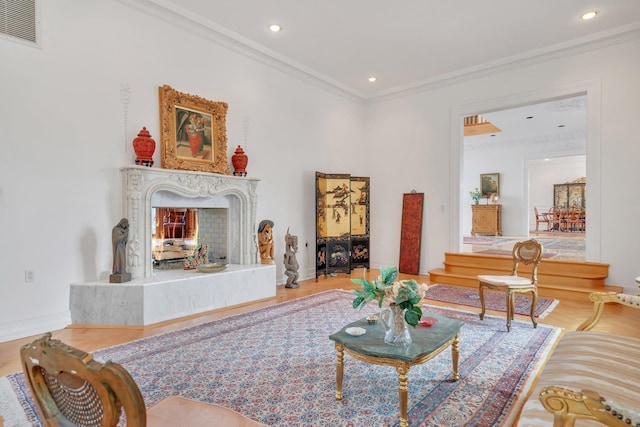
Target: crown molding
x=562, y=50
x=213, y=32
x=209, y=30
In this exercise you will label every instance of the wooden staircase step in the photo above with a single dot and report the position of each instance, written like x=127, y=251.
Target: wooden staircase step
x=566, y=278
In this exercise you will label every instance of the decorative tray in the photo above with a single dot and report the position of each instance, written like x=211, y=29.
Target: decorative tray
x=211, y=267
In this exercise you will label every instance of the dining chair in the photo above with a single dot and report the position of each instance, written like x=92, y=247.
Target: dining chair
x=71, y=389
x=542, y=219
x=574, y=219
x=528, y=252
x=556, y=216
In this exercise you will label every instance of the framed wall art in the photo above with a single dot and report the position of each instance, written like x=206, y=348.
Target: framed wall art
x=193, y=132
x=489, y=184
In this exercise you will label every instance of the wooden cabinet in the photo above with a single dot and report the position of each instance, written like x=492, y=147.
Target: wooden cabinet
x=486, y=219
x=569, y=195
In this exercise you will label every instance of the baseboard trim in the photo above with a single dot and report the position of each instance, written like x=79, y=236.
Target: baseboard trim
x=33, y=326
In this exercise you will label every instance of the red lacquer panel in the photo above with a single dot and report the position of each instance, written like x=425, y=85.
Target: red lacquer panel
x=411, y=233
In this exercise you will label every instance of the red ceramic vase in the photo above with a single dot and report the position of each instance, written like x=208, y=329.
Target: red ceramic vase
x=144, y=146
x=239, y=160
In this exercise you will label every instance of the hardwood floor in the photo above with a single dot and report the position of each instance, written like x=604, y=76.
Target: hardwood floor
x=567, y=315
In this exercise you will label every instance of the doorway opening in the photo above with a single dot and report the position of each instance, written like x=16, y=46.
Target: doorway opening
x=522, y=141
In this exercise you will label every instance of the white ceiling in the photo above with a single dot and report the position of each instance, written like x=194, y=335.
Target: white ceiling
x=408, y=43
x=546, y=121
x=413, y=44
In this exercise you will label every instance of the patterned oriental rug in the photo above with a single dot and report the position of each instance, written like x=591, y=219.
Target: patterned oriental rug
x=547, y=242
x=277, y=365
x=493, y=300
x=555, y=247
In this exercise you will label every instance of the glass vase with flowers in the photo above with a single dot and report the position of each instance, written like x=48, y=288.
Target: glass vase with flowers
x=402, y=298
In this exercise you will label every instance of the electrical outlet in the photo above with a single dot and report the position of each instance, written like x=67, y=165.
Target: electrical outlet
x=29, y=276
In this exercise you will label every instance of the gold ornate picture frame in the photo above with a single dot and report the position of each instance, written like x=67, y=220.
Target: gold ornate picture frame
x=193, y=132
x=489, y=184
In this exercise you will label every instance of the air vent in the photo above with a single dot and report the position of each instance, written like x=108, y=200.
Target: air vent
x=18, y=21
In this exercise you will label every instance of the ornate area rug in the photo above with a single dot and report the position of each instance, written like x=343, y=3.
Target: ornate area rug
x=277, y=365
x=570, y=243
x=555, y=247
x=492, y=300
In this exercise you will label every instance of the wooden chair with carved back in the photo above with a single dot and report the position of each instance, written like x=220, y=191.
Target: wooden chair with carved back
x=70, y=388
x=574, y=219
x=542, y=218
x=528, y=252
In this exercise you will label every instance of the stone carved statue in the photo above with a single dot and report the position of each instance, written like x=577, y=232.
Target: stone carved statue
x=291, y=265
x=119, y=237
x=265, y=241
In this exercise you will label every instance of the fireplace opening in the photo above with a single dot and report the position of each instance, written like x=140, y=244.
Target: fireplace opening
x=177, y=233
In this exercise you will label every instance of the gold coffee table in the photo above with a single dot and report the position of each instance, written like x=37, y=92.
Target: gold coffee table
x=428, y=342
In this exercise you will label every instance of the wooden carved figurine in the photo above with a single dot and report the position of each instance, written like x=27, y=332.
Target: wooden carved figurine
x=291, y=265
x=265, y=241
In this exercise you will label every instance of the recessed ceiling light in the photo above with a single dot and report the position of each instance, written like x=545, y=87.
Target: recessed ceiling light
x=589, y=15
x=274, y=28
x=372, y=79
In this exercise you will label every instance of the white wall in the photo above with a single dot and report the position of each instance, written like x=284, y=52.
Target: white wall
x=65, y=132
x=66, y=129
x=414, y=135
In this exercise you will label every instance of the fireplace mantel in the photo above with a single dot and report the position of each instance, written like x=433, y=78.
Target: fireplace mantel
x=141, y=183
x=152, y=297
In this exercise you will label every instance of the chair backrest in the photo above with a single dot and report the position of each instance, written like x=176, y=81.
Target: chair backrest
x=527, y=252
x=71, y=388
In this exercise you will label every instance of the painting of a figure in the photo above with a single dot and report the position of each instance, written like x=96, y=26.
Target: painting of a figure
x=193, y=134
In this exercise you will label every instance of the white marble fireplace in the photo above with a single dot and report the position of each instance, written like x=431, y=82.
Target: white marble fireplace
x=155, y=296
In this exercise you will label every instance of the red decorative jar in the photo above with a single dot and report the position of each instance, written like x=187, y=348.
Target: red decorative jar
x=239, y=160
x=144, y=146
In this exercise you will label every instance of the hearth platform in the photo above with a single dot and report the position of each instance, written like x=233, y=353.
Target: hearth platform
x=169, y=294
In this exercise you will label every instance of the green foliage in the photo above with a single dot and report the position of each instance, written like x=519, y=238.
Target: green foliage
x=476, y=195
x=412, y=316
x=406, y=294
